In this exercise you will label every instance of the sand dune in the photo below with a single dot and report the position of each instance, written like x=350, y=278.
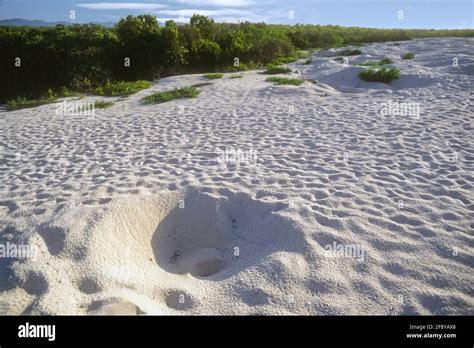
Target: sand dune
x=146, y=209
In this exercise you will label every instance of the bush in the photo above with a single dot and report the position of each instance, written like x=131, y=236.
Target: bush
x=165, y=96
x=385, y=75
x=121, y=88
x=275, y=69
x=213, y=76
x=205, y=53
x=408, y=55
x=284, y=81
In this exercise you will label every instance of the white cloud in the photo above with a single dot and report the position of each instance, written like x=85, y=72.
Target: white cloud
x=228, y=3
x=121, y=6
x=220, y=15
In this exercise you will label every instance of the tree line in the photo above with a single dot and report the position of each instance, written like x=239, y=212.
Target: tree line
x=81, y=57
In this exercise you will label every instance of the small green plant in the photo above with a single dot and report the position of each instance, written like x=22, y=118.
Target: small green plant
x=276, y=69
x=165, y=96
x=66, y=92
x=213, y=76
x=284, y=81
x=120, y=88
x=351, y=52
x=103, y=104
x=384, y=61
x=23, y=103
x=308, y=61
x=236, y=76
x=385, y=75
x=408, y=55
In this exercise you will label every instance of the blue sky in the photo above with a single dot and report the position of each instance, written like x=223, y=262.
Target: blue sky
x=368, y=13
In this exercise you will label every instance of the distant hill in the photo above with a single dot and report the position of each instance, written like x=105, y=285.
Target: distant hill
x=18, y=22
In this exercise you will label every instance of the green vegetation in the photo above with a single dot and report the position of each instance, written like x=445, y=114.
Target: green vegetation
x=385, y=75
x=276, y=69
x=236, y=76
x=103, y=104
x=308, y=61
x=121, y=88
x=284, y=81
x=22, y=102
x=90, y=58
x=351, y=52
x=408, y=55
x=213, y=76
x=384, y=61
x=292, y=58
x=165, y=96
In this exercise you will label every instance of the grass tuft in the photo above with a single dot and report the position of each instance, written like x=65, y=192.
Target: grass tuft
x=384, y=61
x=103, y=104
x=120, y=88
x=213, y=76
x=165, y=96
x=385, y=75
x=276, y=69
x=408, y=55
x=284, y=81
x=351, y=52
x=236, y=76
x=23, y=103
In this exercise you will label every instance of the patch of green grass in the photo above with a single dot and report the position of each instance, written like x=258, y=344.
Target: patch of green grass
x=103, y=104
x=236, y=76
x=23, y=103
x=408, y=55
x=384, y=61
x=120, y=88
x=213, y=76
x=284, y=81
x=308, y=61
x=351, y=52
x=165, y=96
x=276, y=69
x=385, y=75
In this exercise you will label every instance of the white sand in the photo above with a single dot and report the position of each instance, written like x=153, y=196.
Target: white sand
x=130, y=212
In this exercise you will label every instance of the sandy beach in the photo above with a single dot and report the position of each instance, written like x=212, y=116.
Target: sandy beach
x=335, y=197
